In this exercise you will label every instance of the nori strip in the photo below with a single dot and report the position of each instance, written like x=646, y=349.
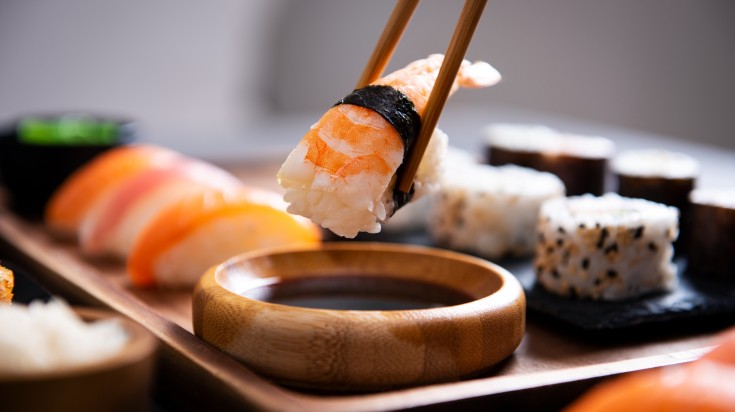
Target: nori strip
x=398, y=110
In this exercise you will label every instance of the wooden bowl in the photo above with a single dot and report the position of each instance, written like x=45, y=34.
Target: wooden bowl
x=120, y=383
x=342, y=316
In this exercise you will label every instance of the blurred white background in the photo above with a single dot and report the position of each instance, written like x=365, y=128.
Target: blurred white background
x=222, y=76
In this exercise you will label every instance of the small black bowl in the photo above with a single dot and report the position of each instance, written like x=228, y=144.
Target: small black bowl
x=38, y=152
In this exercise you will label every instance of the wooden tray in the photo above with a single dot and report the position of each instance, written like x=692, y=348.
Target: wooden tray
x=552, y=366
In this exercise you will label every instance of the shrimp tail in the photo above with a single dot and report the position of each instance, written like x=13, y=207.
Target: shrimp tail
x=477, y=74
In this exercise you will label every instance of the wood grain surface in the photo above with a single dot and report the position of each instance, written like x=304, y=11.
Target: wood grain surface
x=349, y=350
x=552, y=364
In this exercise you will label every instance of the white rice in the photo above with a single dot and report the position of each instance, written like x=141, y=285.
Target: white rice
x=655, y=163
x=358, y=203
x=490, y=211
x=414, y=215
x=50, y=336
x=543, y=139
x=721, y=197
x=607, y=247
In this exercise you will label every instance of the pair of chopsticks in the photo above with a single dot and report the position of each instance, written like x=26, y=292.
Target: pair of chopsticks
x=387, y=43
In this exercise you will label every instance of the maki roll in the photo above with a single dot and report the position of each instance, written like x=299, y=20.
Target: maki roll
x=712, y=234
x=606, y=247
x=490, y=211
x=342, y=173
x=660, y=176
x=579, y=161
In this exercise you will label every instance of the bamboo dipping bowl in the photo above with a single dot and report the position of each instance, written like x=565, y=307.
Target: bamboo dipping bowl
x=236, y=309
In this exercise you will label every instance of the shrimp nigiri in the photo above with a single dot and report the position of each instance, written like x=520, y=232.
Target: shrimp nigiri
x=342, y=173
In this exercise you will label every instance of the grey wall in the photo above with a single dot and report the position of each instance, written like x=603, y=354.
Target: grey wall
x=190, y=69
x=665, y=66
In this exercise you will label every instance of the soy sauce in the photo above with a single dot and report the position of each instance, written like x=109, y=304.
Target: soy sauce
x=359, y=293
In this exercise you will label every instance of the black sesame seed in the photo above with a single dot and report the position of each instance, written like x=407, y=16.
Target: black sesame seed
x=559, y=242
x=652, y=247
x=555, y=274
x=561, y=230
x=597, y=282
x=638, y=232
x=550, y=249
x=582, y=226
x=612, y=248
x=585, y=263
x=603, y=235
x=611, y=273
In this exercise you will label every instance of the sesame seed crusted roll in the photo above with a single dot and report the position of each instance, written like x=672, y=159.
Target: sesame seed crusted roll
x=490, y=211
x=607, y=247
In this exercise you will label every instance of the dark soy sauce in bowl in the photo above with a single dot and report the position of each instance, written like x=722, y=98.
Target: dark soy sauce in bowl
x=356, y=292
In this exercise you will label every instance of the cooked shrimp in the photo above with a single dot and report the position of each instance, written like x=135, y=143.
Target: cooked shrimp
x=341, y=173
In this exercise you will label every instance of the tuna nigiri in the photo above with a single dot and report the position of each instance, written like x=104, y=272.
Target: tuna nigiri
x=190, y=236
x=113, y=224
x=78, y=194
x=341, y=174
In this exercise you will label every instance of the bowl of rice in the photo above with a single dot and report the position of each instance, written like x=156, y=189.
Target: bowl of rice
x=54, y=357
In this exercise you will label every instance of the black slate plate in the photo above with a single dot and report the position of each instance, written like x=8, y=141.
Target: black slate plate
x=692, y=299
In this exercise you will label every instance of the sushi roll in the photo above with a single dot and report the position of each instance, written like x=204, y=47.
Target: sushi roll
x=606, y=247
x=660, y=176
x=342, y=173
x=185, y=239
x=580, y=161
x=490, y=211
x=712, y=234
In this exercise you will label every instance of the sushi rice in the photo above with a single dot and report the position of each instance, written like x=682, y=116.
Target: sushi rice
x=606, y=247
x=490, y=211
x=348, y=209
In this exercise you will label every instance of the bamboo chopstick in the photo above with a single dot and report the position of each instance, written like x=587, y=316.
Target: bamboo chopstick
x=461, y=38
x=388, y=41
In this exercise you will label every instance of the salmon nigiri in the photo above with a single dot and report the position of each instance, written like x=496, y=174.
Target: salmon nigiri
x=190, y=236
x=112, y=225
x=342, y=173
x=71, y=202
